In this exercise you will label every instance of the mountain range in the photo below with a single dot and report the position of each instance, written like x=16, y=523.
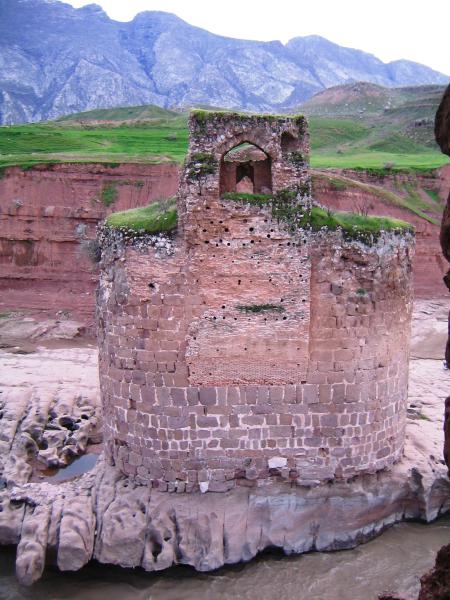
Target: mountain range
x=55, y=60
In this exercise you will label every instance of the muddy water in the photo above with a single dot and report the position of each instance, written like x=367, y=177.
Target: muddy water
x=77, y=467
x=394, y=561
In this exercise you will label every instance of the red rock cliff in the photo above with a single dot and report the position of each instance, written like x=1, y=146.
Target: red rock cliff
x=46, y=212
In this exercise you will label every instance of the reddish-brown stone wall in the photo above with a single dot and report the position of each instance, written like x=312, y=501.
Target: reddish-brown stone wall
x=345, y=417
x=45, y=214
x=428, y=265
x=252, y=349
x=243, y=259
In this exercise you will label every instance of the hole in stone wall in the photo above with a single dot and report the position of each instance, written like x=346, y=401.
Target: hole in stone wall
x=288, y=143
x=246, y=169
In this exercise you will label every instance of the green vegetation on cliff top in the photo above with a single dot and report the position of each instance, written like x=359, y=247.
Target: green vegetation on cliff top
x=160, y=217
x=27, y=145
x=354, y=126
x=410, y=201
x=352, y=224
x=157, y=217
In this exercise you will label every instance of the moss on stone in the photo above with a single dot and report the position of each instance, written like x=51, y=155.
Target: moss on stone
x=296, y=158
x=201, y=164
x=202, y=115
x=258, y=199
x=287, y=206
x=258, y=308
x=157, y=217
x=109, y=194
x=352, y=225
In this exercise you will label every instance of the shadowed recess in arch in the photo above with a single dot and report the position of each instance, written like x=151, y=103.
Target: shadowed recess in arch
x=247, y=169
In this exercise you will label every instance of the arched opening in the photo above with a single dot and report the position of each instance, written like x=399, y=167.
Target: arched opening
x=289, y=143
x=246, y=169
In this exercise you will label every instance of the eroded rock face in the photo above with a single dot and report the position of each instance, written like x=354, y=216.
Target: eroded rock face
x=49, y=413
x=49, y=215
x=442, y=123
x=108, y=517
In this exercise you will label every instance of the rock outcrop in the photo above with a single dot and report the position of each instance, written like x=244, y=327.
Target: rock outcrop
x=51, y=421
x=436, y=584
x=442, y=123
x=48, y=218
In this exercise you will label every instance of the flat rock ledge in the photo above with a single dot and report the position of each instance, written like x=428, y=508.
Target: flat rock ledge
x=106, y=516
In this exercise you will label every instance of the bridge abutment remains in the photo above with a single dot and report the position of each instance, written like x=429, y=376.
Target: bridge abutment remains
x=253, y=345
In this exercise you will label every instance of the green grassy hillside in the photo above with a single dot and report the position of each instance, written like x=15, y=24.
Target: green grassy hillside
x=148, y=112
x=368, y=126
x=26, y=145
x=353, y=126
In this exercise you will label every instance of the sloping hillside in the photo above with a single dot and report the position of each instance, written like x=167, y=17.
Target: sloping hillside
x=366, y=124
x=353, y=126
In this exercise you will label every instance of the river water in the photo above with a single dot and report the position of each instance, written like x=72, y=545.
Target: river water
x=393, y=561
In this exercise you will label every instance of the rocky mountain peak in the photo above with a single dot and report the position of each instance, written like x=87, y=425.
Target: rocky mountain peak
x=55, y=59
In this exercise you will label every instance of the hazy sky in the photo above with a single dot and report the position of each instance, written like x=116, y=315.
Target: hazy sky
x=390, y=29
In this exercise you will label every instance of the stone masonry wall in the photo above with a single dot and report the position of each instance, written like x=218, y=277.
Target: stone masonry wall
x=253, y=349
x=347, y=416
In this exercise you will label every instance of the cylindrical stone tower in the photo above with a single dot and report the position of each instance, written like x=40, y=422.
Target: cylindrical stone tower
x=253, y=344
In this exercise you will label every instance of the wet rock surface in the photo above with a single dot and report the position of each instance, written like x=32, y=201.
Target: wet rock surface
x=49, y=409
x=435, y=585
x=104, y=515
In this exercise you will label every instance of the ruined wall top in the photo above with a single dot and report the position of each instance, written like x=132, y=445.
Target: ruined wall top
x=277, y=135
x=211, y=170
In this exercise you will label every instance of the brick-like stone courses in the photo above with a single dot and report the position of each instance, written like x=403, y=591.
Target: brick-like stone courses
x=346, y=417
x=220, y=133
x=358, y=370
x=243, y=260
x=197, y=390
